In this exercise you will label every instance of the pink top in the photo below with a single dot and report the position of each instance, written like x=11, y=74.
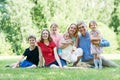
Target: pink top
x=56, y=38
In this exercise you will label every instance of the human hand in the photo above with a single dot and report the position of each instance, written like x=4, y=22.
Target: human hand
x=95, y=42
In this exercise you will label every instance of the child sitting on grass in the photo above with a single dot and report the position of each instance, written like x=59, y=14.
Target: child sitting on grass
x=31, y=54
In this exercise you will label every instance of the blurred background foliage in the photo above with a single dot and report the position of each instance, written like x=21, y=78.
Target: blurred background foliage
x=20, y=18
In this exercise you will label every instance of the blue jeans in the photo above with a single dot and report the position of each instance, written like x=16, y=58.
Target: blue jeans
x=25, y=63
x=63, y=62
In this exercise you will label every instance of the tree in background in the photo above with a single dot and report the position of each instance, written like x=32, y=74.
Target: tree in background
x=11, y=29
x=5, y=46
x=115, y=20
x=16, y=23
x=20, y=18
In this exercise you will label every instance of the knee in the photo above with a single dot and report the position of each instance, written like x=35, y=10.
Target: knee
x=78, y=52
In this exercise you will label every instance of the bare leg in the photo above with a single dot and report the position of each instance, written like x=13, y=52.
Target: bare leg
x=78, y=59
x=14, y=65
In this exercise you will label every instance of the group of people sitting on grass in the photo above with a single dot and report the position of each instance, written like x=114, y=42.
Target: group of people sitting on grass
x=75, y=46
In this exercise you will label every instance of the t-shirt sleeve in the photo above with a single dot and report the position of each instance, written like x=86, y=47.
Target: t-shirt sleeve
x=53, y=44
x=25, y=53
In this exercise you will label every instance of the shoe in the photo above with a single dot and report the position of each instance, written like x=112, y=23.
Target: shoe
x=91, y=66
x=96, y=67
x=7, y=66
x=100, y=67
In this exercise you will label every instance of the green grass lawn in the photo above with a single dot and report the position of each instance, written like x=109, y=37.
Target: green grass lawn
x=56, y=74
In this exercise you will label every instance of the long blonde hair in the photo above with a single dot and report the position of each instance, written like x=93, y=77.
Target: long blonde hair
x=76, y=33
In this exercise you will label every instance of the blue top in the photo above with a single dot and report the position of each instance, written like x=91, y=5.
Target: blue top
x=85, y=43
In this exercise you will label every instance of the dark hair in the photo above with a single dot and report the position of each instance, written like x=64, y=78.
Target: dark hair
x=31, y=36
x=92, y=21
x=53, y=24
x=49, y=37
x=76, y=33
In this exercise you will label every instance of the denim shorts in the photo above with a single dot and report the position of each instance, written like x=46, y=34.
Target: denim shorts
x=25, y=63
x=63, y=62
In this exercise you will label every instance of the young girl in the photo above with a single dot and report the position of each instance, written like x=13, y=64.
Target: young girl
x=95, y=37
x=56, y=36
x=31, y=54
x=49, y=52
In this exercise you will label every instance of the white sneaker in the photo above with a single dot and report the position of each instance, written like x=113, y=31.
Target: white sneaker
x=96, y=67
x=100, y=67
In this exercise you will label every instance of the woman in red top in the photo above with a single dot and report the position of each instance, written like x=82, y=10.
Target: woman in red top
x=48, y=50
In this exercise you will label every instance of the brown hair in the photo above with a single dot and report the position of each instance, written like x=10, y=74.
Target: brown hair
x=76, y=33
x=49, y=37
x=92, y=21
x=31, y=36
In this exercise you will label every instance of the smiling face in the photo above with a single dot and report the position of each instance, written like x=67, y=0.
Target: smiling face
x=66, y=36
x=54, y=28
x=72, y=30
x=32, y=41
x=82, y=29
x=45, y=35
x=92, y=26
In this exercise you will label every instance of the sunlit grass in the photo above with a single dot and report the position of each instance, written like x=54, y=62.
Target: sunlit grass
x=56, y=74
